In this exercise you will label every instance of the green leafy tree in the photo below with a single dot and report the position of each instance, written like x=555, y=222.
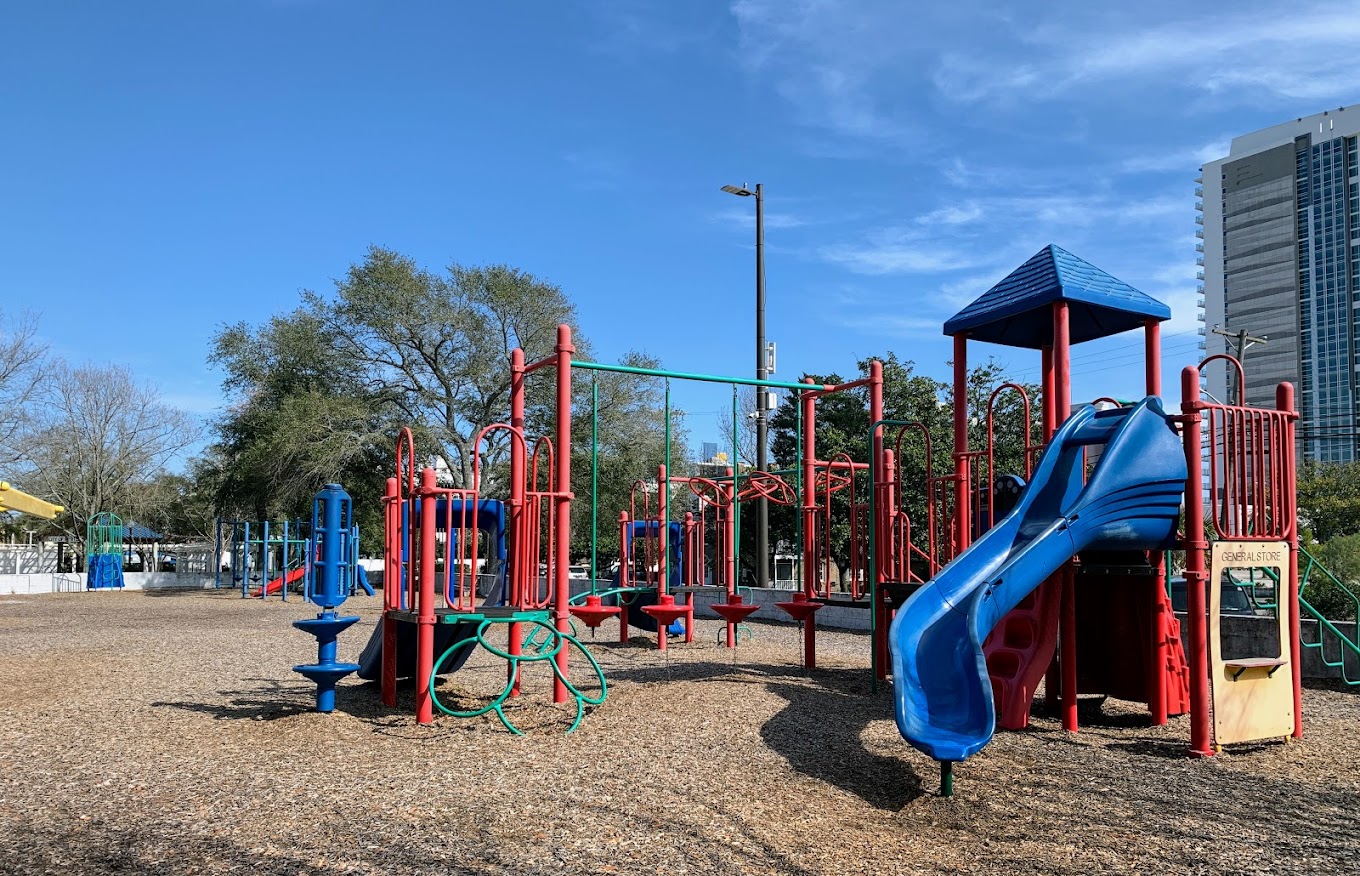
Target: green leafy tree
x=631, y=445
x=1329, y=498
x=1341, y=557
x=320, y=393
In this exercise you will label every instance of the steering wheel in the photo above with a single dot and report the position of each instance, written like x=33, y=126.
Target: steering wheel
x=710, y=491
x=762, y=484
x=829, y=478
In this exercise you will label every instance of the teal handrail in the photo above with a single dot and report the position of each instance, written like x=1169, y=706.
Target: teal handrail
x=1344, y=643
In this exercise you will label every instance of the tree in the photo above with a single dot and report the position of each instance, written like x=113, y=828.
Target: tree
x=631, y=414
x=179, y=506
x=22, y=364
x=1333, y=598
x=96, y=436
x=437, y=347
x=320, y=393
x=1329, y=498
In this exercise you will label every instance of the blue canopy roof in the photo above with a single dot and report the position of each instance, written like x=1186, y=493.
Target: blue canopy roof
x=138, y=532
x=1018, y=312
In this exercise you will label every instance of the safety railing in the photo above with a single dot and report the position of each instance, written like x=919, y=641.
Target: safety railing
x=831, y=477
x=1249, y=471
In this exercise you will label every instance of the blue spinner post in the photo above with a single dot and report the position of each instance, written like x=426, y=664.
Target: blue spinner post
x=331, y=521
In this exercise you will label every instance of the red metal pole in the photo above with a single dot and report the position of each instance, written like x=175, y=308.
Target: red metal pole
x=1062, y=403
x=1152, y=353
x=625, y=570
x=729, y=558
x=962, y=512
x=687, y=574
x=810, y=571
x=1048, y=391
x=524, y=569
x=1049, y=422
x=392, y=588
x=1201, y=736
x=1152, y=343
x=562, y=489
x=1284, y=401
x=425, y=610
x=663, y=565
x=1157, y=655
x=880, y=476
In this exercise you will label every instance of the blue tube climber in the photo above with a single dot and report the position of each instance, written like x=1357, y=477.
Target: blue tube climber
x=332, y=516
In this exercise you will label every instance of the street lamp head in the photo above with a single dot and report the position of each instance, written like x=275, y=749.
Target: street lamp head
x=738, y=190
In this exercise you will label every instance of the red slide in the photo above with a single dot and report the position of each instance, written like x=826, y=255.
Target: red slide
x=273, y=586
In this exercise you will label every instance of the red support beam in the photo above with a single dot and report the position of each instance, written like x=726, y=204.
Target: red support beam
x=810, y=570
x=524, y=569
x=562, y=587
x=392, y=588
x=1152, y=352
x=425, y=618
x=1062, y=405
x=1284, y=401
x=961, y=481
x=1201, y=742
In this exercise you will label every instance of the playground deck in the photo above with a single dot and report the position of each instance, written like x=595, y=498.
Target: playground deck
x=168, y=734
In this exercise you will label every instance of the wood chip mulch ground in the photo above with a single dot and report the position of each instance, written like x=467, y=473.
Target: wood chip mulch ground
x=146, y=733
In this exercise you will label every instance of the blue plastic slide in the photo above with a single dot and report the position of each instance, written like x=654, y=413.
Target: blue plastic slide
x=1131, y=501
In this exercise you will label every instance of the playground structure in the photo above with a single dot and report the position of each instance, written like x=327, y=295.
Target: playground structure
x=1057, y=570
x=14, y=499
x=438, y=545
x=104, y=535
x=265, y=558
x=437, y=540
x=334, y=531
x=1078, y=566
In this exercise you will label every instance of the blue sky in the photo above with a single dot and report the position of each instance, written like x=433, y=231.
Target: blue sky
x=173, y=166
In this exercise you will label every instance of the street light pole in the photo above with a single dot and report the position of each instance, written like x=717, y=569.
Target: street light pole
x=762, y=436
x=762, y=425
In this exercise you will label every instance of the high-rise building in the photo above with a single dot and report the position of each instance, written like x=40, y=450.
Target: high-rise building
x=1280, y=256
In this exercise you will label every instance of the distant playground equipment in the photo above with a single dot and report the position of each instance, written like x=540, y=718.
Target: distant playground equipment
x=104, y=535
x=14, y=499
x=675, y=562
x=265, y=558
x=970, y=644
x=644, y=598
x=333, y=530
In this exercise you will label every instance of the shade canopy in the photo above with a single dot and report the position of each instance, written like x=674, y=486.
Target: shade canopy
x=1018, y=311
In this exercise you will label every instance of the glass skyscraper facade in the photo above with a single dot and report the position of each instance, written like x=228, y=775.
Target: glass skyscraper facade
x=1280, y=221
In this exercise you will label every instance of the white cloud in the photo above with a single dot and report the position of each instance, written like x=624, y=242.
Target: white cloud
x=890, y=325
x=895, y=251
x=827, y=58
x=1248, y=57
x=736, y=217
x=1171, y=159
x=953, y=214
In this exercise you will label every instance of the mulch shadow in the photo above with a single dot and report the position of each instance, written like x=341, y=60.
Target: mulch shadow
x=819, y=733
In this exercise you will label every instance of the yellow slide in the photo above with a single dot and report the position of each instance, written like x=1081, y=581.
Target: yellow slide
x=17, y=500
